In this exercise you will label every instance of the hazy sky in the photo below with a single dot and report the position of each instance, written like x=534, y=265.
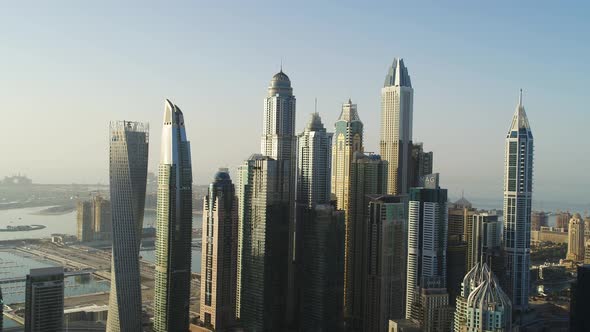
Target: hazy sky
x=68, y=68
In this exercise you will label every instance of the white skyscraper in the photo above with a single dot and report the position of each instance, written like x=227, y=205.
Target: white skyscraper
x=128, y=174
x=518, y=190
x=397, y=105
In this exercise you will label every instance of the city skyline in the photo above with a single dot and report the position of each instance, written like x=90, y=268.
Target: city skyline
x=455, y=84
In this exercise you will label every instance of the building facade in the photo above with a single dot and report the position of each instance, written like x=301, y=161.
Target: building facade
x=485, y=242
x=538, y=219
x=575, y=246
x=128, y=172
x=518, y=191
x=219, y=254
x=94, y=220
x=580, y=301
x=368, y=177
x=397, y=104
x=562, y=220
x=483, y=305
x=427, y=249
x=386, y=262
x=85, y=221
x=421, y=164
x=348, y=139
x=44, y=300
x=173, y=225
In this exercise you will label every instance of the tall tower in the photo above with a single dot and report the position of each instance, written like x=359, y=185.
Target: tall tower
x=320, y=233
x=518, y=191
x=219, y=254
x=128, y=173
x=173, y=226
x=348, y=140
x=397, y=108
x=263, y=234
x=279, y=142
x=368, y=176
x=575, y=247
x=427, y=242
x=44, y=299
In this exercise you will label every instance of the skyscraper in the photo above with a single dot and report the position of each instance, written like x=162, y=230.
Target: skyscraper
x=128, y=172
x=562, y=220
x=580, y=301
x=397, y=104
x=427, y=243
x=85, y=221
x=386, y=261
x=44, y=300
x=421, y=164
x=484, y=243
x=368, y=176
x=483, y=305
x=575, y=247
x=538, y=219
x=173, y=226
x=518, y=190
x=460, y=216
x=348, y=140
x=219, y=253
x=279, y=142
x=262, y=245
x=103, y=220
x=320, y=233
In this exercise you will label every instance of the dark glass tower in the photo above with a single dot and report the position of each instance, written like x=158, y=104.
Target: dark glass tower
x=174, y=226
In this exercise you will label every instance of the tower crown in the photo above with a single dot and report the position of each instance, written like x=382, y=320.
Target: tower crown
x=280, y=84
x=398, y=74
x=520, y=120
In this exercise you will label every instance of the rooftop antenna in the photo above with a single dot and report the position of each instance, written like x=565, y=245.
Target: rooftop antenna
x=281, y=64
x=520, y=98
x=316, y=104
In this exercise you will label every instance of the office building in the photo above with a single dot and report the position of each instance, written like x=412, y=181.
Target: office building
x=421, y=164
x=427, y=249
x=518, y=190
x=173, y=225
x=580, y=301
x=368, y=176
x=263, y=245
x=44, y=300
x=348, y=139
x=483, y=305
x=397, y=104
x=219, y=254
x=385, y=261
x=575, y=246
x=320, y=234
x=127, y=174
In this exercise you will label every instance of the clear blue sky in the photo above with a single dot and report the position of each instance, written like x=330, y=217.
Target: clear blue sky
x=67, y=68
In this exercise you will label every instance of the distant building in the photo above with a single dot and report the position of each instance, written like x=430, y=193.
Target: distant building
x=518, y=192
x=44, y=300
x=483, y=305
x=460, y=220
x=427, y=299
x=16, y=180
x=174, y=225
x=587, y=252
x=128, y=158
x=538, y=219
x=575, y=247
x=368, y=177
x=94, y=220
x=580, y=301
x=219, y=254
x=549, y=234
x=386, y=262
x=562, y=220
x=397, y=108
x=348, y=139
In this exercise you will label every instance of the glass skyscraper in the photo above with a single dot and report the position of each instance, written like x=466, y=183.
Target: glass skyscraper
x=128, y=173
x=173, y=226
x=518, y=190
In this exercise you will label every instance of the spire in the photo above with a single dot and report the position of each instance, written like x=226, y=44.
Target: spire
x=520, y=99
x=519, y=120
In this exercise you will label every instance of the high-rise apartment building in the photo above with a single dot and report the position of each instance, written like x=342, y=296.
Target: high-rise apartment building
x=219, y=253
x=44, y=300
x=518, y=190
x=580, y=301
x=368, y=176
x=427, y=249
x=562, y=220
x=94, y=219
x=127, y=173
x=484, y=244
x=483, y=305
x=348, y=139
x=280, y=143
x=575, y=246
x=460, y=216
x=173, y=225
x=85, y=221
x=263, y=234
x=397, y=104
x=386, y=252
x=538, y=219
x=320, y=233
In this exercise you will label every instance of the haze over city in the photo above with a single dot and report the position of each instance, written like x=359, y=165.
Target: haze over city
x=69, y=68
